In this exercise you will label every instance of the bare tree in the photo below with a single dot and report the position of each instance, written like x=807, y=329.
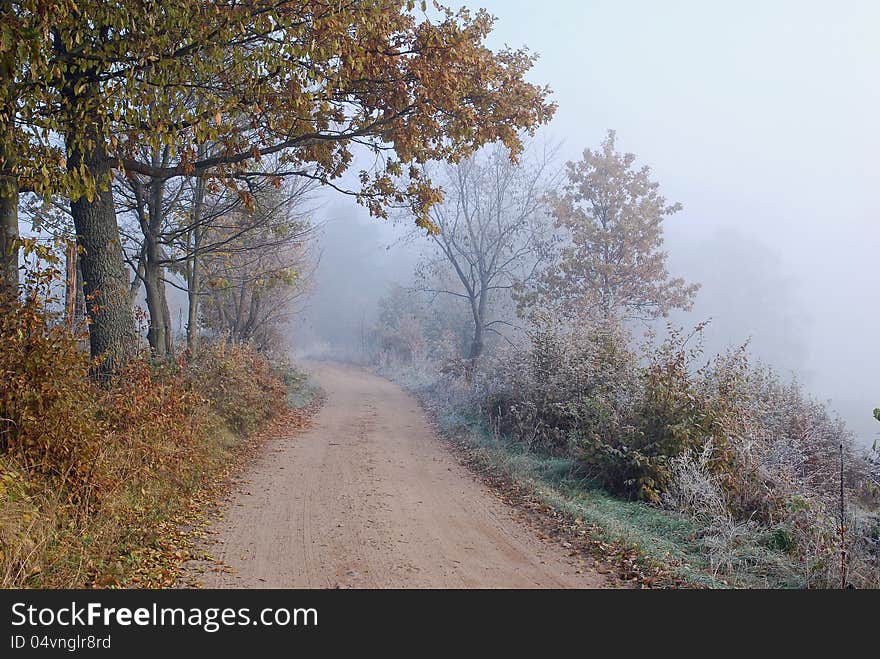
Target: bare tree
x=252, y=283
x=490, y=232
x=176, y=222
x=151, y=202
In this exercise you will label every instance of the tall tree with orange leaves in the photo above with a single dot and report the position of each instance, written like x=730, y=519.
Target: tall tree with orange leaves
x=304, y=82
x=612, y=265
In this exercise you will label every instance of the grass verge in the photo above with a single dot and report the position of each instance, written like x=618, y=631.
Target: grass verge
x=158, y=465
x=644, y=544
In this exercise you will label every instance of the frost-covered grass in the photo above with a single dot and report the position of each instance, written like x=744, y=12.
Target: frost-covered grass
x=659, y=536
x=721, y=470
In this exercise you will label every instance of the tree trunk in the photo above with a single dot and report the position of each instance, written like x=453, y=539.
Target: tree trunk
x=80, y=311
x=153, y=290
x=476, y=343
x=151, y=217
x=476, y=348
x=192, y=318
x=160, y=331
x=166, y=320
x=238, y=310
x=137, y=280
x=478, y=310
x=248, y=331
x=70, y=285
x=112, y=335
x=112, y=332
x=193, y=278
x=8, y=232
x=8, y=175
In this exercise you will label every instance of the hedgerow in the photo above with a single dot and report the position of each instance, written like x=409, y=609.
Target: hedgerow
x=720, y=439
x=88, y=468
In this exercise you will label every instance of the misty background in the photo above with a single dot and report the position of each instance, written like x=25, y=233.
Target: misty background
x=761, y=118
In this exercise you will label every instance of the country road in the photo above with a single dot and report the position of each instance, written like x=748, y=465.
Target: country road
x=368, y=497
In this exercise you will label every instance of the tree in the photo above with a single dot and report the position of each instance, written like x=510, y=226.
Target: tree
x=24, y=28
x=171, y=220
x=613, y=266
x=398, y=334
x=304, y=81
x=151, y=204
x=193, y=239
x=8, y=163
x=490, y=233
x=259, y=267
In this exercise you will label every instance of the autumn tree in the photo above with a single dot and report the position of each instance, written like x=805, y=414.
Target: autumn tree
x=191, y=239
x=612, y=265
x=305, y=81
x=170, y=231
x=259, y=267
x=151, y=205
x=24, y=41
x=490, y=233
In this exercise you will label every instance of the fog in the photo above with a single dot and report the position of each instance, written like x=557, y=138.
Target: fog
x=360, y=257
x=761, y=118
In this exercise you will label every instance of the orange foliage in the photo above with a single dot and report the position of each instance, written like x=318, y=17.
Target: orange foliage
x=92, y=473
x=92, y=438
x=239, y=385
x=49, y=410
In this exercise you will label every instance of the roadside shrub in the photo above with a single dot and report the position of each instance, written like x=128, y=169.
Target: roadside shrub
x=87, y=469
x=49, y=408
x=155, y=419
x=674, y=408
x=585, y=394
x=723, y=441
x=566, y=389
x=239, y=385
x=87, y=438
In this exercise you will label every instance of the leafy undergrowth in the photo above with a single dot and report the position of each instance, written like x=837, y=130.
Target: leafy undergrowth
x=141, y=536
x=178, y=534
x=644, y=544
x=102, y=483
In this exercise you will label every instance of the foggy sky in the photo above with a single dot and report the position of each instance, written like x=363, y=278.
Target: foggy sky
x=761, y=118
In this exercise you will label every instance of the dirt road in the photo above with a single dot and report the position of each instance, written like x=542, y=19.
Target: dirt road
x=370, y=498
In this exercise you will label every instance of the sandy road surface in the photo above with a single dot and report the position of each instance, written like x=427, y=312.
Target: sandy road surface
x=368, y=497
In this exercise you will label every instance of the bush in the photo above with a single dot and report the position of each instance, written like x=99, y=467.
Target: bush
x=566, y=389
x=239, y=384
x=88, y=469
x=723, y=441
x=585, y=394
x=673, y=409
x=49, y=407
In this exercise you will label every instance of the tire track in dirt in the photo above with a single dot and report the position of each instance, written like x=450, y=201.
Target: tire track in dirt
x=368, y=497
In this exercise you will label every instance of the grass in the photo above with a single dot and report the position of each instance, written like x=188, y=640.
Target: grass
x=659, y=538
x=142, y=532
x=136, y=539
x=301, y=391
